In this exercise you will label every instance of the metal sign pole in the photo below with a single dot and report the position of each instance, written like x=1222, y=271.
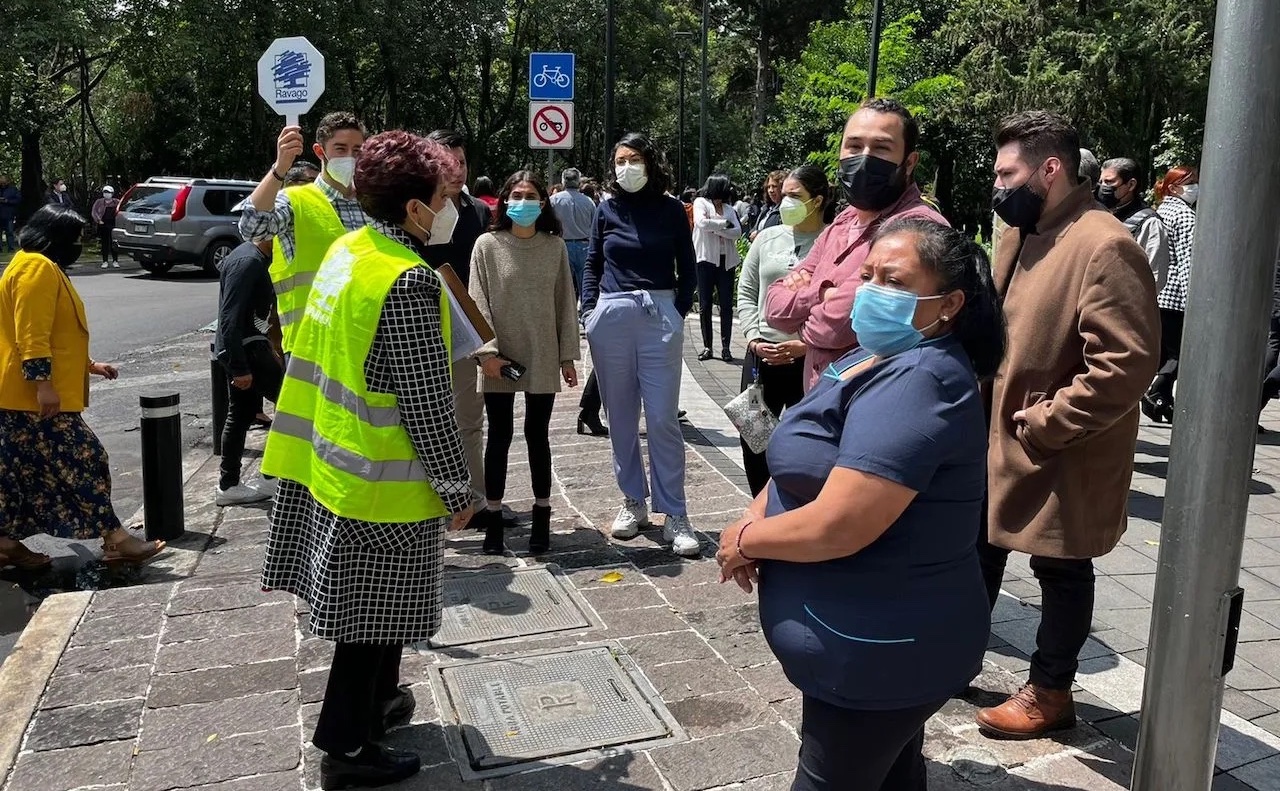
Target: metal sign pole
x=703, y=96
x=877, y=11
x=1214, y=431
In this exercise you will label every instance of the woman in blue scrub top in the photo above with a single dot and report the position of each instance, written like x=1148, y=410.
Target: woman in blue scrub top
x=863, y=544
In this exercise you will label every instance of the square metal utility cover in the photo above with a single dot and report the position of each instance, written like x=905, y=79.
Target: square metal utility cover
x=483, y=606
x=548, y=707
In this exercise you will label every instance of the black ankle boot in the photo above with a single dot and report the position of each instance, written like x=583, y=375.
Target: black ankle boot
x=375, y=766
x=540, y=533
x=590, y=424
x=494, y=527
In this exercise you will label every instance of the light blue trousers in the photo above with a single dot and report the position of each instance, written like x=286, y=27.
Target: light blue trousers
x=636, y=339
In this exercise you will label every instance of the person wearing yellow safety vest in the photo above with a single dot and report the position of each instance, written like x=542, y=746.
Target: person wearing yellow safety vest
x=366, y=446
x=305, y=220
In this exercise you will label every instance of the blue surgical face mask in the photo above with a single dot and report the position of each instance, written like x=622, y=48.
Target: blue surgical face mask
x=883, y=318
x=524, y=212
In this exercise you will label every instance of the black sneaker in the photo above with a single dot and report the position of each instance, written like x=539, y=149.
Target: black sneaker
x=374, y=767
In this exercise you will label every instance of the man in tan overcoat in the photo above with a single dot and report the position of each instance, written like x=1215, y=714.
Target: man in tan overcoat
x=1084, y=339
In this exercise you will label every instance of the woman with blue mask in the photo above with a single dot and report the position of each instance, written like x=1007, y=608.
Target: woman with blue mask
x=522, y=282
x=864, y=542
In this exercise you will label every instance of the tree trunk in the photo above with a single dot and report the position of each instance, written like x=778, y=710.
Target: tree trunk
x=764, y=87
x=33, y=187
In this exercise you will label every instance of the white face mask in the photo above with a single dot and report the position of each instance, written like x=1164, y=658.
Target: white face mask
x=341, y=170
x=1191, y=193
x=631, y=177
x=442, y=226
x=62, y=188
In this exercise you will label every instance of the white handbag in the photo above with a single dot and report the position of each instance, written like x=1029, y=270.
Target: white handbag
x=752, y=417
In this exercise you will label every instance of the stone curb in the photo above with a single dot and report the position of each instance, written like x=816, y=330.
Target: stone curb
x=25, y=673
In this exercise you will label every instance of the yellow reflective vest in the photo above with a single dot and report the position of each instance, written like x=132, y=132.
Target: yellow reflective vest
x=331, y=433
x=316, y=226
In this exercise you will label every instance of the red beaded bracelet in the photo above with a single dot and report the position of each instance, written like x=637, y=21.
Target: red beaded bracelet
x=738, y=547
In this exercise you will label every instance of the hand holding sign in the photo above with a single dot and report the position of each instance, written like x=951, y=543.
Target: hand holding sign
x=289, y=147
x=291, y=79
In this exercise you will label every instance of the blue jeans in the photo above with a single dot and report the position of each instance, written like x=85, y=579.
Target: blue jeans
x=577, y=263
x=11, y=238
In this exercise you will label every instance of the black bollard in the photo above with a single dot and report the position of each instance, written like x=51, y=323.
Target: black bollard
x=162, y=466
x=220, y=387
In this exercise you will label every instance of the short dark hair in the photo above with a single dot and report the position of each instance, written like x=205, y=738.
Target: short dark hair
x=547, y=221
x=397, y=166
x=962, y=265
x=449, y=138
x=484, y=188
x=718, y=187
x=688, y=195
x=1041, y=134
x=655, y=164
x=1125, y=168
x=910, y=126
x=50, y=228
x=300, y=174
x=336, y=122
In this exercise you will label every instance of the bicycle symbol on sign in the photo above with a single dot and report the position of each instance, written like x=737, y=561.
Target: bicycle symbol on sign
x=553, y=75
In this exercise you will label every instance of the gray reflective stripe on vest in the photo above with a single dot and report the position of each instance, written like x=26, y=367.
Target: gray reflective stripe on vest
x=290, y=316
x=346, y=460
x=293, y=281
x=336, y=392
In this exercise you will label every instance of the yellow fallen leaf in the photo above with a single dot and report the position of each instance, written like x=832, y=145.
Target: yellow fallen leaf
x=612, y=576
x=1151, y=543
x=212, y=736
x=513, y=733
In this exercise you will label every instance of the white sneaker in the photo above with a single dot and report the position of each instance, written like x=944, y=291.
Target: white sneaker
x=239, y=495
x=105, y=265
x=633, y=515
x=264, y=486
x=679, y=532
x=115, y=264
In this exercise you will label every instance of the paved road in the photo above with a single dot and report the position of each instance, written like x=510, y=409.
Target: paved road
x=149, y=327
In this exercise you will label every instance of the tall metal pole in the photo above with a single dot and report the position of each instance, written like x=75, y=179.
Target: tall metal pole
x=610, y=71
x=1214, y=432
x=877, y=11
x=703, y=95
x=680, y=135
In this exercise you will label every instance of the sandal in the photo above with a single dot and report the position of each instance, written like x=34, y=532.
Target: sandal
x=24, y=559
x=130, y=550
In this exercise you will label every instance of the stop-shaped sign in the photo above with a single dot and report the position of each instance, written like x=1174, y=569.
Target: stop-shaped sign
x=291, y=77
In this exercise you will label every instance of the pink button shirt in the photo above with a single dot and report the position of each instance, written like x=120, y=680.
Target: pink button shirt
x=835, y=260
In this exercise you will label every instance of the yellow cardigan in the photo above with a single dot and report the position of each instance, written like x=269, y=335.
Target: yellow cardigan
x=42, y=316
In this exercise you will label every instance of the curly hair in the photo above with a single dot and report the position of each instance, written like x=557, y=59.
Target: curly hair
x=655, y=162
x=395, y=167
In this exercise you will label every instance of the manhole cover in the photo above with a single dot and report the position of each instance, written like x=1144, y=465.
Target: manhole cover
x=547, y=706
x=482, y=606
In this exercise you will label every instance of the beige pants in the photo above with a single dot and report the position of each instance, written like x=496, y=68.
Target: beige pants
x=469, y=406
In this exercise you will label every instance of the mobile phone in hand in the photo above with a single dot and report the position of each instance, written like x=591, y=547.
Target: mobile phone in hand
x=513, y=371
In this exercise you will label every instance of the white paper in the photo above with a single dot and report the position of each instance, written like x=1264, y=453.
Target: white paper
x=464, y=340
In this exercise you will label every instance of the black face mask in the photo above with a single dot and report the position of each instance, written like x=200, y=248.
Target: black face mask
x=1020, y=207
x=871, y=183
x=64, y=255
x=1106, y=195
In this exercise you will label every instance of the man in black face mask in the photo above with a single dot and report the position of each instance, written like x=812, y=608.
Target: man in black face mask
x=877, y=158
x=1120, y=190
x=1084, y=340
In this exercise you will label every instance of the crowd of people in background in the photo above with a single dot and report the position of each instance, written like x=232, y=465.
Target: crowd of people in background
x=937, y=408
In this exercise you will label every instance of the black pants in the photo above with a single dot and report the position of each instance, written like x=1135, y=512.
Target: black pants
x=715, y=277
x=1066, y=610
x=362, y=679
x=106, y=243
x=1271, y=380
x=783, y=387
x=1170, y=348
x=848, y=749
x=590, y=402
x=500, y=410
x=244, y=407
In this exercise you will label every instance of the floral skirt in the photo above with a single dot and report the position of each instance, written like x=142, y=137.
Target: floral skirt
x=54, y=477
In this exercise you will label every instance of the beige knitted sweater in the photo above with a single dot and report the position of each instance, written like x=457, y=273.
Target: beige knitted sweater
x=525, y=289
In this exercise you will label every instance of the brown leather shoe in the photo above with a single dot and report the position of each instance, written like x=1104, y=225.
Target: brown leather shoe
x=1029, y=714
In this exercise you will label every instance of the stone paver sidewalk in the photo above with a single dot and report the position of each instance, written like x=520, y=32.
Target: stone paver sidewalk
x=203, y=681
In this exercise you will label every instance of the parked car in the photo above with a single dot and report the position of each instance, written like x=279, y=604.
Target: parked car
x=171, y=220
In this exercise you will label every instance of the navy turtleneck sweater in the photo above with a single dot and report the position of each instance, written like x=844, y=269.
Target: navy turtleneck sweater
x=640, y=242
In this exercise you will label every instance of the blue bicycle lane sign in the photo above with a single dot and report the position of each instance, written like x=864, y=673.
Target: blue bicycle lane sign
x=551, y=76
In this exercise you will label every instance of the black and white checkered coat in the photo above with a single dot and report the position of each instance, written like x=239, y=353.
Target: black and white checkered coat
x=371, y=582
x=1180, y=225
